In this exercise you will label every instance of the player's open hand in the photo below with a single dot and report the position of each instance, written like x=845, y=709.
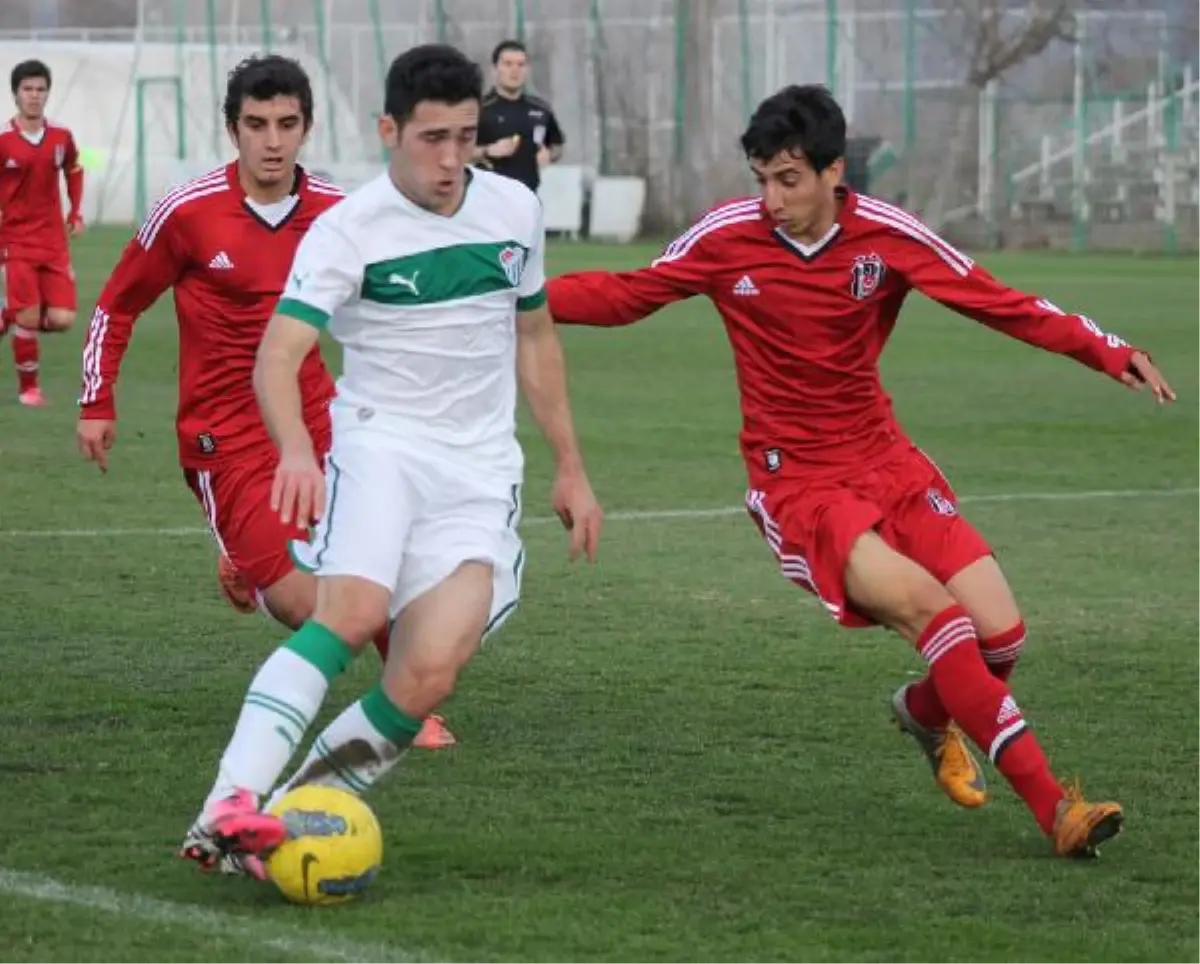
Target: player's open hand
x=95, y=436
x=576, y=505
x=74, y=225
x=1142, y=372
x=298, y=494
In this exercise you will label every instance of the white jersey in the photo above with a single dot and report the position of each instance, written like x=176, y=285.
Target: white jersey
x=424, y=306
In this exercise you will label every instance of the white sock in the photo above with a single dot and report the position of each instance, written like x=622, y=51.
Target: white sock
x=365, y=742
x=281, y=703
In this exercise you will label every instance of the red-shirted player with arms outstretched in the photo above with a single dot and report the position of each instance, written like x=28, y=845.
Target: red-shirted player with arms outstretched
x=225, y=243
x=36, y=155
x=809, y=279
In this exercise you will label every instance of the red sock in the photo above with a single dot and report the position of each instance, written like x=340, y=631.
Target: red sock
x=1002, y=651
x=926, y=706
x=985, y=709
x=25, y=356
x=382, y=642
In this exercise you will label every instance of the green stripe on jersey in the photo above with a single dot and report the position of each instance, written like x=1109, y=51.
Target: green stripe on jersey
x=445, y=274
x=530, y=302
x=302, y=312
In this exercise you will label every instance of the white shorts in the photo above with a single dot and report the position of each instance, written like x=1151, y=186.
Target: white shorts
x=406, y=514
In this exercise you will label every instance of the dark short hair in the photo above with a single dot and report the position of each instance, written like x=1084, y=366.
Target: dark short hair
x=437, y=72
x=265, y=78
x=504, y=46
x=30, y=70
x=802, y=119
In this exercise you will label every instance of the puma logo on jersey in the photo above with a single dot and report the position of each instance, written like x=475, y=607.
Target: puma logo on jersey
x=410, y=283
x=221, y=262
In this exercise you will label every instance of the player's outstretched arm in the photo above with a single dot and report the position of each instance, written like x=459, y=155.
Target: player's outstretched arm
x=541, y=371
x=938, y=270
x=150, y=264
x=613, y=298
x=299, y=489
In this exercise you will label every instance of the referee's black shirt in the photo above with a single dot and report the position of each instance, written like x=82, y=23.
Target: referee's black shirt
x=529, y=116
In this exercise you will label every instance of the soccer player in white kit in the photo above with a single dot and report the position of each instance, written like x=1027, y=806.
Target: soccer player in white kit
x=431, y=278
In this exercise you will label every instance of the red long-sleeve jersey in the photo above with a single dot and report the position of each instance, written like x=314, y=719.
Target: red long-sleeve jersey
x=227, y=259
x=808, y=323
x=32, y=226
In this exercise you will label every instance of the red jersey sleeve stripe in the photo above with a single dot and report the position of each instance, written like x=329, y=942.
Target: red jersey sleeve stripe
x=680, y=248
x=210, y=178
x=92, y=352
x=882, y=213
x=209, y=184
x=744, y=206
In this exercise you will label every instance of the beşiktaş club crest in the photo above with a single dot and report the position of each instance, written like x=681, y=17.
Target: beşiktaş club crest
x=939, y=503
x=512, y=260
x=866, y=275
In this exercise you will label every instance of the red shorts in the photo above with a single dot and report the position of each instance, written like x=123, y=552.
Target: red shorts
x=236, y=499
x=30, y=284
x=811, y=526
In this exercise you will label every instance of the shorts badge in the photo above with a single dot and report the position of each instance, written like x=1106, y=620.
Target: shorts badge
x=940, y=504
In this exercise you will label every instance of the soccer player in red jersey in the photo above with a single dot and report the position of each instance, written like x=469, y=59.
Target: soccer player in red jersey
x=809, y=279
x=39, y=284
x=225, y=242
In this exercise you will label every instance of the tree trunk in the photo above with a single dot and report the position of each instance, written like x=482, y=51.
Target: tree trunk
x=934, y=211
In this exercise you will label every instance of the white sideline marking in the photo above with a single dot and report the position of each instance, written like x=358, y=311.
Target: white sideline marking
x=315, y=945
x=636, y=515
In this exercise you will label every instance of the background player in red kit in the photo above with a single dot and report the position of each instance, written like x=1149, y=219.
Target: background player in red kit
x=225, y=243
x=39, y=284
x=809, y=279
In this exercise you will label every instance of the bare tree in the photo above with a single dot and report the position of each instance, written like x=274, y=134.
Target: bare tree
x=997, y=37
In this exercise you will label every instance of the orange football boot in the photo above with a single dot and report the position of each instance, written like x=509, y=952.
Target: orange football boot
x=1080, y=827
x=954, y=767
x=434, y=734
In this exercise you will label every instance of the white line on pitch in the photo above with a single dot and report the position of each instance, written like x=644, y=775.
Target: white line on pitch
x=635, y=515
x=311, y=944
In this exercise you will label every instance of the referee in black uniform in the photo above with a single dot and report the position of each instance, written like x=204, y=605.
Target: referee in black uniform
x=518, y=133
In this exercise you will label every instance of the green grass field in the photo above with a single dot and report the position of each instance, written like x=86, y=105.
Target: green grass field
x=673, y=755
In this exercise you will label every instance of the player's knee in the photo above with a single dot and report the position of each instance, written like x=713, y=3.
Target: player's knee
x=918, y=605
x=420, y=688
x=28, y=318
x=290, y=600
x=983, y=591
x=893, y=589
x=59, y=319
x=355, y=609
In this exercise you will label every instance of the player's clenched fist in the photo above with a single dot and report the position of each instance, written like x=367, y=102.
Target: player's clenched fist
x=298, y=494
x=580, y=512
x=95, y=436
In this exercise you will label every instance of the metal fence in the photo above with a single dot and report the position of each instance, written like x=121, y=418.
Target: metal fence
x=661, y=89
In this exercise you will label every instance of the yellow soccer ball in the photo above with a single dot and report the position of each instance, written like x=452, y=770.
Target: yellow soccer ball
x=333, y=848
